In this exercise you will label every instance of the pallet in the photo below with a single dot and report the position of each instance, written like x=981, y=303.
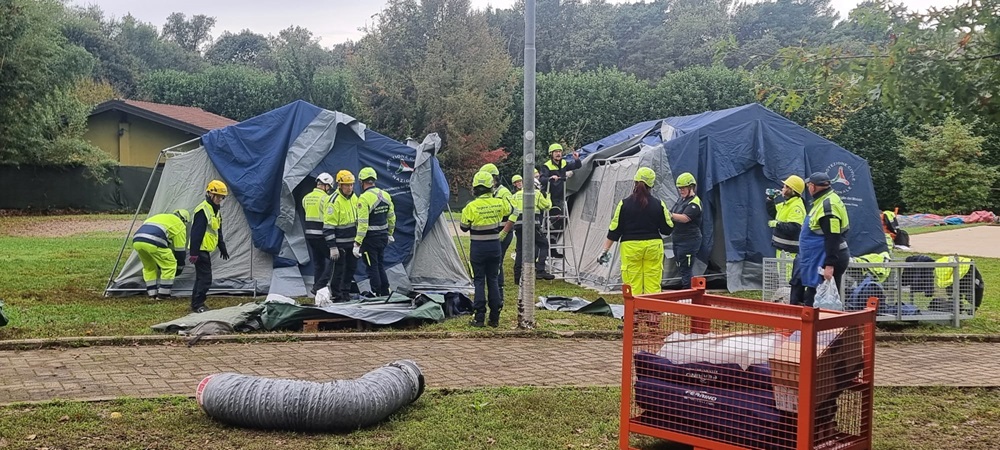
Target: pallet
x=312, y=325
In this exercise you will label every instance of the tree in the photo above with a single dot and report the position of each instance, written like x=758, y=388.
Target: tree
x=142, y=40
x=188, y=34
x=42, y=119
x=945, y=175
x=245, y=48
x=872, y=133
x=233, y=91
x=436, y=66
x=114, y=64
x=299, y=56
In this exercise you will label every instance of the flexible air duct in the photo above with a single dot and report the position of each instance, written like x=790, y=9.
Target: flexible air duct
x=340, y=405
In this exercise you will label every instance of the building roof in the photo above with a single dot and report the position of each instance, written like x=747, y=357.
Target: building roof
x=186, y=118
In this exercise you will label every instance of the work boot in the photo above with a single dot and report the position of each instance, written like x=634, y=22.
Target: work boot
x=201, y=309
x=555, y=254
x=476, y=324
x=544, y=276
x=494, y=323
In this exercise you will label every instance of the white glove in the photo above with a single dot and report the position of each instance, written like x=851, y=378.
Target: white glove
x=569, y=174
x=538, y=185
x=334, y=254
x=391, y=239
x=357, y=251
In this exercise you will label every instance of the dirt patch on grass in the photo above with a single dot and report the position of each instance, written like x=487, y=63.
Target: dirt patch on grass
x=61, y=226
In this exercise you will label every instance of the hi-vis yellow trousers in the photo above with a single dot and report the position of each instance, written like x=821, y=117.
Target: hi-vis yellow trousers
x=642, y=265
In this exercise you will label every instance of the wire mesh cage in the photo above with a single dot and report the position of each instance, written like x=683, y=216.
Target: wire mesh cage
x=947, y=290
x=717, y=372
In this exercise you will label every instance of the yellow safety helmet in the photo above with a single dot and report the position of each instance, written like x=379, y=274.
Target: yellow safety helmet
x=183, y=214
x=367, y=173
x=645, y=175
x=491, y=169
x=217, y=187
x=685, y=180
x=483, y=179
x=555, y=147
x=345, y=177
x=796, y=183
x=516, y=178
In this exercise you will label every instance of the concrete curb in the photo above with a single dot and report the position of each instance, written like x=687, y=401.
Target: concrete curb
x=98, y=341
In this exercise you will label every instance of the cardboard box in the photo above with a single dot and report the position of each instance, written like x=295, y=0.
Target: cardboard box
x=839, y=358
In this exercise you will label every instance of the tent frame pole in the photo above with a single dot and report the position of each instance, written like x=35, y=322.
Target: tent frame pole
x=461, y=247
x=149, y=182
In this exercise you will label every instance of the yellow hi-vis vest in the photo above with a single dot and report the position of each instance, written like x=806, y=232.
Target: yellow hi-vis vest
x=312, y=203
x=211, y=240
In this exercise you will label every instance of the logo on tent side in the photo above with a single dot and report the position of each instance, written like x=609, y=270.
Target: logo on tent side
x=841, y=177
x=399, y=167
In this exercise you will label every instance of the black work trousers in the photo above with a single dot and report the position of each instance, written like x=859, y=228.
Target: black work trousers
x=202, y=279
x=343, y=274
x=541, y=252
x=373, y=254
x=320, y=255
x=485, y=258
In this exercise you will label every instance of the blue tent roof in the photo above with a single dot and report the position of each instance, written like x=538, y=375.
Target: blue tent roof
x=254, y=159
x=737, y=153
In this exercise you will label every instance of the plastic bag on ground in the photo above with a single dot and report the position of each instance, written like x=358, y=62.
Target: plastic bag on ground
x=323, y=298
x=828, y=297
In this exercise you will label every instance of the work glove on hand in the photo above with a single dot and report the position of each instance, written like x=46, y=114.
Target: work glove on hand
x=391, y=239
x=224, y=253
x=193, y=259
x=604, y=258
x=772, y=223
x=538, y=185
x=179, y=271
x=334, y=254
x=357, y=251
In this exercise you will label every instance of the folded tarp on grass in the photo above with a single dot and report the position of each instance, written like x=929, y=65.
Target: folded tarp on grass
x=243, y=318
x=378, y=311
x=599, y=307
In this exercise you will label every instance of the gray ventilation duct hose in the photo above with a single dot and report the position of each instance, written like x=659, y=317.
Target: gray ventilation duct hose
x=340, y=405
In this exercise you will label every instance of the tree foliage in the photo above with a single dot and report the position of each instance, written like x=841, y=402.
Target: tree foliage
x=189, y=34
x=42, y=119
x=944, y=174
x=244, y=48
x=437, y=66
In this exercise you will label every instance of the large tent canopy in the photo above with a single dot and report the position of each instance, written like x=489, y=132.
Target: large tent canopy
x=735, y=154
x=269, y=162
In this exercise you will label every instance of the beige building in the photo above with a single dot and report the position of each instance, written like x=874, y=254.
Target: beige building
x=133, y=132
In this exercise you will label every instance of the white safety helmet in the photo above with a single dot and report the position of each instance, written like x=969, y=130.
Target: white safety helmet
x=325, y=178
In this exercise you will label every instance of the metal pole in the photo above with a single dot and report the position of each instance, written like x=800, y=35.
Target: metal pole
x=526, y=299
x=135, y=217
x=461, y=253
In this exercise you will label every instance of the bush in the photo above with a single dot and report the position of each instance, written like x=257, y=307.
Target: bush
x=945, y=174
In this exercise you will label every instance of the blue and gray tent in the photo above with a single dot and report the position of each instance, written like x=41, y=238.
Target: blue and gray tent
x=735, y=154
x=269, y=162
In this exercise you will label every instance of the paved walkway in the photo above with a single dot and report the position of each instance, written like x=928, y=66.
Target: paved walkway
x=975, y=241
x=108, y=372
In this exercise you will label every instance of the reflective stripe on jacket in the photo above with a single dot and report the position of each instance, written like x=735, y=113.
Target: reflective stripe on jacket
x=313, y=203
x=484, y=216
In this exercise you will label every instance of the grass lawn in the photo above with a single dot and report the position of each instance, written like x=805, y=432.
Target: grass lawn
x=53, y=287
x=501, y=418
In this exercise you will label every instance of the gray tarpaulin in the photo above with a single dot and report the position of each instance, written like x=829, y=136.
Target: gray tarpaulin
x=599, y=307
x=237, y=316
x=378, y=311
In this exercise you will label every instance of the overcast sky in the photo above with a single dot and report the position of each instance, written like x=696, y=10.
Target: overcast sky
x=334, y=21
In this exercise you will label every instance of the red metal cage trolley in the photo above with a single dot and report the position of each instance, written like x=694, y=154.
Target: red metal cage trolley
x=725, y=373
